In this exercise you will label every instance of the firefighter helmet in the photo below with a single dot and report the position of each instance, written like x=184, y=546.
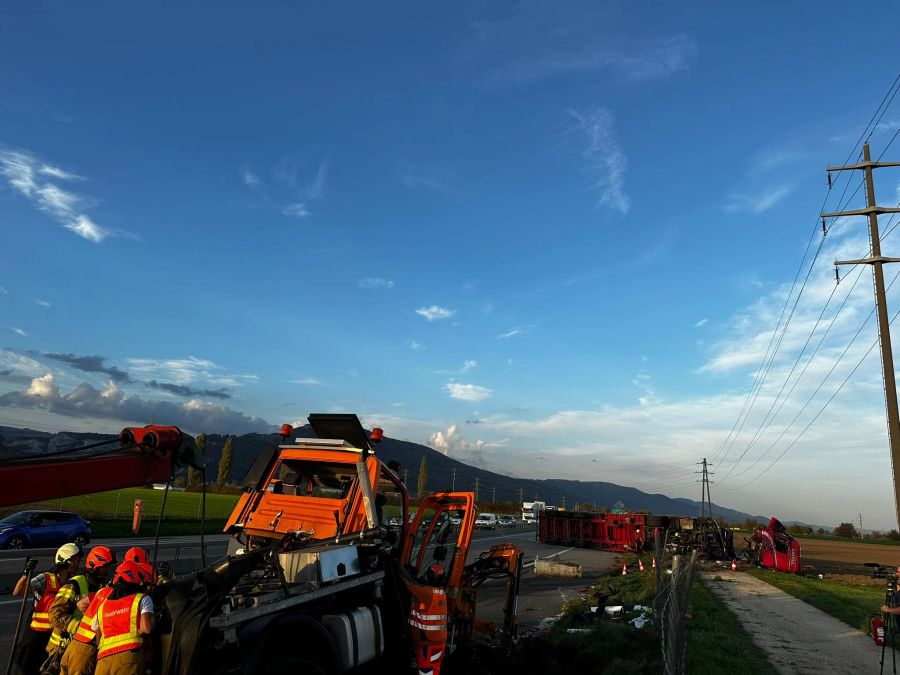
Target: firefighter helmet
x=99, y=556
x=66, y=552
x=136, y=554
x=129, y=572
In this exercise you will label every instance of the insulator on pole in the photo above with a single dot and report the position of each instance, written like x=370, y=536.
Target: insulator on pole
x=837, y=275
x=828, y=173
x=824, y=228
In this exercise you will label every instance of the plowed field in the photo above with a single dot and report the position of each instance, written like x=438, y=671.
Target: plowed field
x=846, y=557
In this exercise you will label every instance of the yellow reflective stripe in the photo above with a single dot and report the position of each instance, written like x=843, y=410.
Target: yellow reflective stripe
x=66, y=592
x=132, y=639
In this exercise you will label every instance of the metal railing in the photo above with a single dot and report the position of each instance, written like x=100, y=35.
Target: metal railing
x=671, y=606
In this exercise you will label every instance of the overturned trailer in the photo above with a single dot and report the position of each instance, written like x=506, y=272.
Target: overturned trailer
x=585, y=529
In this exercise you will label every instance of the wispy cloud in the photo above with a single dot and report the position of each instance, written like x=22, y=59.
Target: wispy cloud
x=376, y=282
x=181, y=371
x=250, y=179
x=90, y=364
x=315, y=189
x=306, y=381
x=18, y=331
x=416, y=347
x=435, y=313
x=3, y=291
x=701, y=323
x=605, y=161
x=510, y=333
x=31, y=178
x=759, y=203
x=469, y=365
x=297, y=210
x=43, y=303
x=647, y=60
x=467, y=392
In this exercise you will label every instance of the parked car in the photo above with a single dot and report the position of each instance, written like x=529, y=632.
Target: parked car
x=455, y=519
x=507, y=521
x=486, y=521
x=38, y=529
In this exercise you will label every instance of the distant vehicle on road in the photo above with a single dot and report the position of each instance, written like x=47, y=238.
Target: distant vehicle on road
x=507, y=521
x=486, y=521
x=38, y=529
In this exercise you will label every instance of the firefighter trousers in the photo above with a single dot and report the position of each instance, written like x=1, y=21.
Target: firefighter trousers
x=123, y=663
x=80, y=659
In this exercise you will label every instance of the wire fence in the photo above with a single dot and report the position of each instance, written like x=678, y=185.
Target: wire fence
x=671, y=607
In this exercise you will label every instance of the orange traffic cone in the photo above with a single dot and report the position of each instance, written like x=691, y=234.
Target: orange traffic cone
x=734, y=565
x=624, y=569
x=640, y=565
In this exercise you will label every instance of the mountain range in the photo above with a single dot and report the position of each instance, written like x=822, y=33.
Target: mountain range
x=443, y=473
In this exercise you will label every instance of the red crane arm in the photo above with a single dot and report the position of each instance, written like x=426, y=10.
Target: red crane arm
x=148, y=455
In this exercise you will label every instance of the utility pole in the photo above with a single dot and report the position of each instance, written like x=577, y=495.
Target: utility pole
x=563, y=500
x=705, y=496
x=494, y=495
x=453, y=486
x=884, y=333
x=405, y=475
x=522, y=495
x=476, y=488
x=860, y=524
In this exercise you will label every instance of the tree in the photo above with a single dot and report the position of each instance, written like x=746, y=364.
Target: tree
x=195, y=476
x=845, y=530
x=423, y=477
x=225, y=462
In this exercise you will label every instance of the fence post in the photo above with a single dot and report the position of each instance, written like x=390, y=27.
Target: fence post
x=657, y=557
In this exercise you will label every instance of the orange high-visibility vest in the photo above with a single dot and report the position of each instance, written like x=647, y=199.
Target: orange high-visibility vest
x=84, y=633
x=428, y=619
x=40, y=619
x=120, y=625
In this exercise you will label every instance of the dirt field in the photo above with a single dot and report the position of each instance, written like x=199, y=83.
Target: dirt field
x=843, y=557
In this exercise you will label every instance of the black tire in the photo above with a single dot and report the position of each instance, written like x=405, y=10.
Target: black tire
x=81, y=539
x=16, y=542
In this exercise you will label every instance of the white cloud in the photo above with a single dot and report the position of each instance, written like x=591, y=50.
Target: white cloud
x=450, y=442
x=306, y=380
x=297, y=210
x=416, y=347
x=24, y=173
x=435, y=313
x=605, y=161
x=43, y=303
x=316, y=188
x=376, y=282
x=18, y=331
x=181, y=371
x=510, y=333
x=701, y=323
x=759, y=203
x=250, y=179
x=110, y=403
x=469, y=365
x=467, y=392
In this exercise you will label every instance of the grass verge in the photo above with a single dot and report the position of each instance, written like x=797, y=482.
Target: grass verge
x=854, y=603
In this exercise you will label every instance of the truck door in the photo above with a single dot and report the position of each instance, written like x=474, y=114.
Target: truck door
x=440, y=533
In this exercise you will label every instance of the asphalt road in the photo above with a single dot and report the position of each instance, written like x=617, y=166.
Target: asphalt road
x=539, y=596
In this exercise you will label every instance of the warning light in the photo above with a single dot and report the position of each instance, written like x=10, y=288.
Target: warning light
x=286, y=430
x=376, y=435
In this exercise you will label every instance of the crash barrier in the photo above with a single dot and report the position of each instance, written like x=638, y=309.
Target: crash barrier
x=183, y=557
x=672, y=608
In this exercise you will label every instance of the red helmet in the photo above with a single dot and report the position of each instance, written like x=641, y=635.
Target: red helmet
x=100, y=556
x=130, y=572
x=435, y=573
x=136, y=554
x=146, y=573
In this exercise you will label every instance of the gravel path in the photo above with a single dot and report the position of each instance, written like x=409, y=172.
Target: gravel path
x=798, y=638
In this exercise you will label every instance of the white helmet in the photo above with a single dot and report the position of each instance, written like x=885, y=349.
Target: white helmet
x=66, y=552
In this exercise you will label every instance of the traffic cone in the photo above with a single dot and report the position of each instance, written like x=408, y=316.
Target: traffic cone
x=734, y=565
x=640, y=565
x=624, y=569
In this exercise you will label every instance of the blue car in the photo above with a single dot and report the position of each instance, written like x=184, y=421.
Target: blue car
x=43, y=529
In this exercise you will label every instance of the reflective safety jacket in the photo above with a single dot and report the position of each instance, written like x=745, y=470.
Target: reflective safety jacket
x=84, y=633
x=120, y=625
x=428, y=615
x=66, y=605
x=40, y=619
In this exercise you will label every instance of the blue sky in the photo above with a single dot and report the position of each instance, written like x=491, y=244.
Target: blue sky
x=550, y=240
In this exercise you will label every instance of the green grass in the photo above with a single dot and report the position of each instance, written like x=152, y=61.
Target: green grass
x=120, y=504
x=716, y=641
x=852, y=540
x=853, y=604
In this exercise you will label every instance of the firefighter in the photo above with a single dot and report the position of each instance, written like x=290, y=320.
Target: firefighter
x=80, y=657
x=428, y=620
x=122, y=621
x=32, y=650
x=73, y=598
